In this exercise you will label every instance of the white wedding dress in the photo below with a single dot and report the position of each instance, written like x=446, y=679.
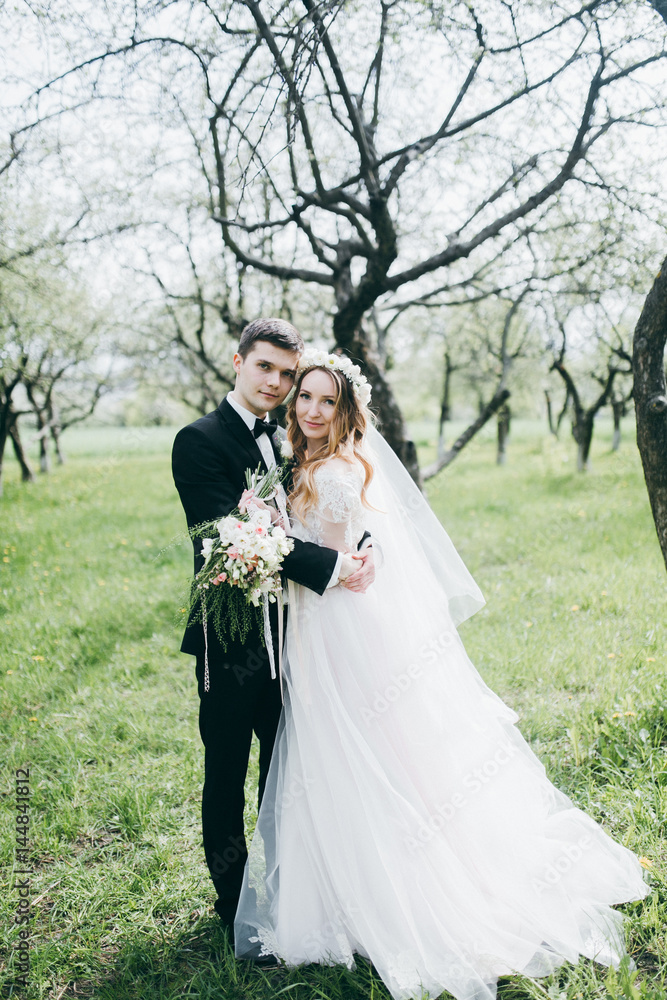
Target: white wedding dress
x=405, y=818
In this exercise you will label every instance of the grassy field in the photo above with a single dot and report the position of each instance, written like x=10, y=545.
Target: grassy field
x=101, y=707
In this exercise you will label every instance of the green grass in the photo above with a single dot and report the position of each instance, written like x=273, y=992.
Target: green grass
x=100, y=704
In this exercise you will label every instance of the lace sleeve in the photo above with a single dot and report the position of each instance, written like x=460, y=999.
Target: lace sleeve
x=339, y=507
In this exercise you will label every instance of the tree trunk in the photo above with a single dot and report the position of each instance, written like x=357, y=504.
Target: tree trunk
x=390, y=419
x=27, y=475
x=550, y=414
x=460, y=443
x=55, y=437
x=618, y=410
x=444, y=404
x=582, y=420
x=650, y=395
x=584, y=437
x=43, y=451
x=42, y=425
x=616, y=439
x=4, y=430
x=504, y=418
x=561, y=415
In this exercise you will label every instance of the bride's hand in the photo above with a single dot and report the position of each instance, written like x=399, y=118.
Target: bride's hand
x=248, y=499
x=357, y=572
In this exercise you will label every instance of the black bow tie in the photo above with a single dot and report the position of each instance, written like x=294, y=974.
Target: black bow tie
x=265, y=427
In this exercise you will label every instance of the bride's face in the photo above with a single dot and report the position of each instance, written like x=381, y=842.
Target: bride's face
x=316, y=405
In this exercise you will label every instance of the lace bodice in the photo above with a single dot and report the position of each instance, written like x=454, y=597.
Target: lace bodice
x=338, y=519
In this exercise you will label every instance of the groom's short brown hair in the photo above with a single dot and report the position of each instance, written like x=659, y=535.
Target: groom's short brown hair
x=275, y=331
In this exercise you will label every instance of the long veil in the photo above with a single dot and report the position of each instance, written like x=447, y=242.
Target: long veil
x=402, y=514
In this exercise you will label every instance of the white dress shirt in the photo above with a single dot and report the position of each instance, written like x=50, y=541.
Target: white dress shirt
x=268, y=454
x=262, y=442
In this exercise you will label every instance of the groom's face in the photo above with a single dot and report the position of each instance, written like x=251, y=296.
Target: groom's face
x=264, y=377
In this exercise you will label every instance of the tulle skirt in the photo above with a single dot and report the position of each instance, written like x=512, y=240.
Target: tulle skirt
x=405, y=818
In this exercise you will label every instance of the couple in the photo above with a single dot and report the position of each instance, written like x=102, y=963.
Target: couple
x=402, y=816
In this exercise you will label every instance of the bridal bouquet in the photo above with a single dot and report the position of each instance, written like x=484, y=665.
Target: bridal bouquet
x=243, y=555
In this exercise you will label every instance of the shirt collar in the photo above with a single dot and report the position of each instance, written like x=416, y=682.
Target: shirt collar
x=246, y=416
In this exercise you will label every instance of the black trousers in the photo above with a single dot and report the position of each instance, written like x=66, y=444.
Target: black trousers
x=242, y=699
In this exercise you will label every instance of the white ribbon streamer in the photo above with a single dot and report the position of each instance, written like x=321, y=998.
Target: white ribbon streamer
x=207, y=682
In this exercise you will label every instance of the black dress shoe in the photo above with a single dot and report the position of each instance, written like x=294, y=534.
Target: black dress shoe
x=267, y=963
x=229, y=931
x=226, y=911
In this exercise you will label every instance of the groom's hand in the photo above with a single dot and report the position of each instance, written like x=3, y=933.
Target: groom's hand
x=361, y=577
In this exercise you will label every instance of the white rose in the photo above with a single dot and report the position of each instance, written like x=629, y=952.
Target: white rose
x=355, y=370
x=344, y=363
x=286, y=449
x=258, y=516
x=365, y=394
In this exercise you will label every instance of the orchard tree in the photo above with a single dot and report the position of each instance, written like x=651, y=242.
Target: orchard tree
x=55, y=353
x=598, y=366
x=347, y=197
x=490, y=338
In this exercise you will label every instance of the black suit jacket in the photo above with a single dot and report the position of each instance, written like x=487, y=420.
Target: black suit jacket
x=209, y=460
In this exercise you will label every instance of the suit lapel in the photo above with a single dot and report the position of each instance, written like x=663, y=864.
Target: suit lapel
x=243, y=435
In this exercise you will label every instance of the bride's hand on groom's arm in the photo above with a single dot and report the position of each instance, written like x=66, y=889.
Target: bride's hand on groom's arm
x=357, y=572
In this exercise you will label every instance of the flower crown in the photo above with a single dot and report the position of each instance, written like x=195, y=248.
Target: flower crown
x=341, y=363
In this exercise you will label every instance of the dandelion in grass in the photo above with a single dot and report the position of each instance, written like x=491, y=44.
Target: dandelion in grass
x=646, y=862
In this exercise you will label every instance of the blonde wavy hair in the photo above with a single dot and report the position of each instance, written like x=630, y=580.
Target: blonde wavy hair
x=347, y=432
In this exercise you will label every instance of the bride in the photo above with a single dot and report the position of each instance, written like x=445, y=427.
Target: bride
x=405, y=819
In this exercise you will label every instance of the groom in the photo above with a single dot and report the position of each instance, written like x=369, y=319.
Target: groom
x=209, y=460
